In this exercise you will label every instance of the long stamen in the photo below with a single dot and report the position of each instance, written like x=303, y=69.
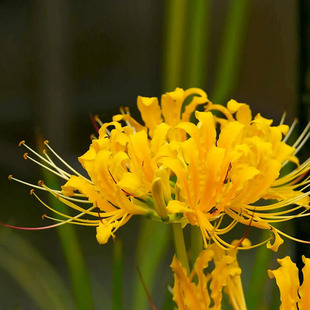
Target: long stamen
x=64, y=162
x=56, y=192
x=26, y=156
x=126, y=111
x=92, y=223
x=61, y=171
x=290, y=237
x=94, y=122
x=301, y=137
x=290, y=130
x=302, y=143
x=283, y=118
x=246, y=232
x=98, y=120
x=45, y=160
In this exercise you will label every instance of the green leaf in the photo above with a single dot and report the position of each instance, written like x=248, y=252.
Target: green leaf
x=231, y=47
x=117, y=292
x=34, y=274
x=154, y=239
x=73, y=253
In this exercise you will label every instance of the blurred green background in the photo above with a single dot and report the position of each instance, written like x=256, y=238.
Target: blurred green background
x=61, y=59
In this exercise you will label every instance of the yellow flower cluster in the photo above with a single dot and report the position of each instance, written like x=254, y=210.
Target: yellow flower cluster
x=211, y=168
x=175, y=170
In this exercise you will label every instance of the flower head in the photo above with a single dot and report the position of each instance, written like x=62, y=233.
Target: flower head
x=171, y=169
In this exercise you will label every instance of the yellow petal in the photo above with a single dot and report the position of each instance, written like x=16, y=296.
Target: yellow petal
x=288, y=282
x=159, y=137
x=304, y=303
x=229, y=134
x=197, y=100
x=277, y=241
x=243, y=115
x=104, y=232
x=171, y=104
x=84, y=187
x=131, y=184
x=175, y=206
x=150, y=112
x=185, y=293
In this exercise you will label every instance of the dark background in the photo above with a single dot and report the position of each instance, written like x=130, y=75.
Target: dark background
x=60, y=60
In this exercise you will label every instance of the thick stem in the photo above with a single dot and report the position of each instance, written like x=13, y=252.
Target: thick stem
x=196, y=243
x=180, y=245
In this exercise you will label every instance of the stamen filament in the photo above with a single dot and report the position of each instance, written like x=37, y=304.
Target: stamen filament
x=65, y=163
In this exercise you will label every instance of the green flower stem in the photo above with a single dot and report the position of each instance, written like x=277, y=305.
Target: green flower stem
x=259, y=276
x=197, y=43
x=180, y=245
x=230, y=54
x=196, y=243
x=152, y=246
x=117, y=292
x=175, y=36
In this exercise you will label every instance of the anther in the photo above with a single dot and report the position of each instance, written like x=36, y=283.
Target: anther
x=46, y=142
x=10, y=177
x=43, y=216
x=44, y=151
x=21, y=143
x=40, y=183
x=31, y=191
x=25, y=155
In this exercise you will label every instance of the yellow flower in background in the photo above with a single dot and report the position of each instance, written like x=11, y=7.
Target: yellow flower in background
x=291, y=292
x=177, y=171
x=207, y=291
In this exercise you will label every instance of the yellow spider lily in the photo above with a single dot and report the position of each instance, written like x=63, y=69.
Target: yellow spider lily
x=173, y=170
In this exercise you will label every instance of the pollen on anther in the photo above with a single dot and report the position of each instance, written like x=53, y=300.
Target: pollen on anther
x=44, y=151
x=31, y=191
x=25, y=155
x=40, y=182
x=21, y=143
x=46, y=142
x=43, y=216
x=10, y=177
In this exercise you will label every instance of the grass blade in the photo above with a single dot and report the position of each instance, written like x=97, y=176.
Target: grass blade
x=34, y=274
